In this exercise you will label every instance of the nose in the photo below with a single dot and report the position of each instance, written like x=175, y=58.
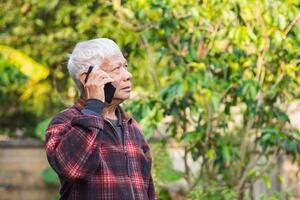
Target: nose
x=127, y=75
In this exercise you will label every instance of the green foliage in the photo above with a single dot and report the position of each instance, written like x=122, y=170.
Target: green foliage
x=276, y=196
x=147, y=113
x=163, y=171
x=33, y=70
x=12, y=85
x=41, y=128
x=12, y=82
x=221, y=72
x=164, y=165
x=50, y=176
x=22, y=92
x=213, y=194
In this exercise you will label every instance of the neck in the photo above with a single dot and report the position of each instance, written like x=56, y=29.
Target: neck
x=109, y=111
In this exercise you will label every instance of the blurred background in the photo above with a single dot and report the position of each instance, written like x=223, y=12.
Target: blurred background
x=216, y=90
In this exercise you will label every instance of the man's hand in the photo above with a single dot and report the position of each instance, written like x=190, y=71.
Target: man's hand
x=94, y=87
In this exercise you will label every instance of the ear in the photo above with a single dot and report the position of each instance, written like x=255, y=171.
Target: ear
x=82, y=77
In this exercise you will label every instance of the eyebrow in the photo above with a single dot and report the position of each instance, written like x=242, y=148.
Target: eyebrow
x=122, y=64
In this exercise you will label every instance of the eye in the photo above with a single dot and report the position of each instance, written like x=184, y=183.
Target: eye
x=117, y=68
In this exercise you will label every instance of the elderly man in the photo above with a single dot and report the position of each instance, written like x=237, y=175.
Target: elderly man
x=97, y=150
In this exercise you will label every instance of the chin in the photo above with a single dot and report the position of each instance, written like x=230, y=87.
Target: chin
x=122, y=98
x=125, y=97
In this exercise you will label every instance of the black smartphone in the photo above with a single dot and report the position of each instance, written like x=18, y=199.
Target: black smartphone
x=109, y=88
x=109, y=91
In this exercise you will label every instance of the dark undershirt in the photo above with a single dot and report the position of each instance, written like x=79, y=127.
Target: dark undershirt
x=95, y=107
x=118, y=128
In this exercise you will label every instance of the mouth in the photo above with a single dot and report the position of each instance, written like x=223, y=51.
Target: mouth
x=126, y=88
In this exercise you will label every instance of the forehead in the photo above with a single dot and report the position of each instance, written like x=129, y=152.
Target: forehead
x=117, y=59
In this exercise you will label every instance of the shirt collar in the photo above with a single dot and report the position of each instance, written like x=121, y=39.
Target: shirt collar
x=122, y=116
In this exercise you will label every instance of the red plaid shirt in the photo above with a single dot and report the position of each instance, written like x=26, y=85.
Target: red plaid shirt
x=91, y=162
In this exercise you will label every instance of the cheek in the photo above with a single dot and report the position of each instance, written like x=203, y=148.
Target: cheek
x=118, y=93
x=121, y=94
x=117, y=82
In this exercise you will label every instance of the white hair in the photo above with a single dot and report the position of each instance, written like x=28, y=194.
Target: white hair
x=90, y=52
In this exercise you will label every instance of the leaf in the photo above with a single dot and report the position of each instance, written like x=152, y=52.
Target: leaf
x=215, y=101
x=190, y=138
x=251, y=173
x=267, y=181
x=41, y=128
x=282, y=21
x=226, y=154
x=211, y=154
x=50, y=176
x=27, y=65
x=199, y=66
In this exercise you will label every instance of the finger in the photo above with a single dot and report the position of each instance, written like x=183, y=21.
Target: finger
x=96, y=71
x=103, y=75
x=106, y=80
x=100, y=71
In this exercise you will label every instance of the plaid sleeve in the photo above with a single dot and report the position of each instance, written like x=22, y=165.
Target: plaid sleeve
x=70, y=145
x=151, y=190
x=147, y=151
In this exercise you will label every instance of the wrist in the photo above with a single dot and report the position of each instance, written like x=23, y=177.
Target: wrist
x=94, y=105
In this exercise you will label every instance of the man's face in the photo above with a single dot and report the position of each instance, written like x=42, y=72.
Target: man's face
x=116, y=68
